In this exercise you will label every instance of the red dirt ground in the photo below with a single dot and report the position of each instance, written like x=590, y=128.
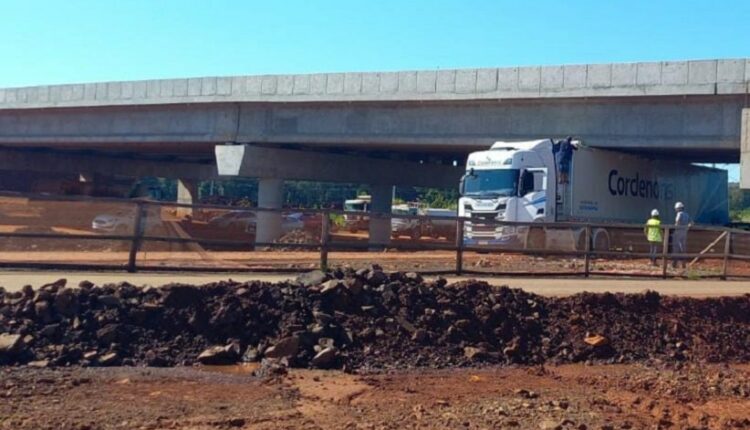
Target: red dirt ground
x=565, y=397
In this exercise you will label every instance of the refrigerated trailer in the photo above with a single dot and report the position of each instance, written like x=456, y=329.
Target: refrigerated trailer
x=522, y=182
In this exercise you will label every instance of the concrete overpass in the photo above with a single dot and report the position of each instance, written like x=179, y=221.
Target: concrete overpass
x=422, y=122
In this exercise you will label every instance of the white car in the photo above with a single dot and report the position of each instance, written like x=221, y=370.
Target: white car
x=405, y=226
x=245, y=220
x=122, y=222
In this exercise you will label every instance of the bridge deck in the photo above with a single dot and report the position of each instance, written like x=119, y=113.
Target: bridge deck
x=704, y=77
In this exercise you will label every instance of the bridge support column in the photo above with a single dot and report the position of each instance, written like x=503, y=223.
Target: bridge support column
x=380, y=228
x=187, y=193
x=745, y=148
x=270, y=196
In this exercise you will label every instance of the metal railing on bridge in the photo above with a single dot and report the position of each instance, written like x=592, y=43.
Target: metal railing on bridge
x=83, y=233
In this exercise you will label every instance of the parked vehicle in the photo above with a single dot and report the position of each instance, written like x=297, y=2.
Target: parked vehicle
x=123, y=222
x=233, y=220
x=355, y=222
x=521, y=182
x=437, y=228
x=411, y=227
x=246, y=220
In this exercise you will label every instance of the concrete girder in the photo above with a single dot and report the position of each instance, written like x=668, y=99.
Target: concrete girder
x=704, y=127
x=290, y=164
x=656, y=78
x=126, y=128
x=64, y=162
x=708, y=126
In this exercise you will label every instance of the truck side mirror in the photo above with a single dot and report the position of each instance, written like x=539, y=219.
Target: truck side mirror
x=462, y=182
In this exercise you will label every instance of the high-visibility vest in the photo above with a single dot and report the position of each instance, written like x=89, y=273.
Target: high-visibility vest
x=653, y=230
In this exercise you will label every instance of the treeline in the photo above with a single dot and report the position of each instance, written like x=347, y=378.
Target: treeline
x=739, y=203
x=304, y=194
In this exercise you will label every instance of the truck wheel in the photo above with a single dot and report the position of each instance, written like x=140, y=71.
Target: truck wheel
x=601, y=240
x=536, y=238
x=415, y=234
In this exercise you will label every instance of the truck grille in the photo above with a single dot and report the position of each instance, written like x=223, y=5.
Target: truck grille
x=479, y=224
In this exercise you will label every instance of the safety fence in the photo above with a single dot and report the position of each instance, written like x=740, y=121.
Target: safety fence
x=83, y=233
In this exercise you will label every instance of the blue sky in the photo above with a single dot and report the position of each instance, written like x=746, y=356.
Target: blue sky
x=54, y=41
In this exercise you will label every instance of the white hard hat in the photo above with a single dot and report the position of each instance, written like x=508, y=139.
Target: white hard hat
x=655, y=212
x=679, y=206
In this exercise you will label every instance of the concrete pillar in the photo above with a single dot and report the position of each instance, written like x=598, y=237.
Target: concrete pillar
x=187, y=193
x=270, y=196
x=745, y=150
x=380, y=229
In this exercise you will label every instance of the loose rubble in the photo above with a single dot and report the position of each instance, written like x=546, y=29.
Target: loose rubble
x=359, y=321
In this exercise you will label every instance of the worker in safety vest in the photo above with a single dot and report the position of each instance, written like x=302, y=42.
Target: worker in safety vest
x=652, y=230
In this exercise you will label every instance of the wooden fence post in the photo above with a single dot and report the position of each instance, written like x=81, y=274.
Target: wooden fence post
x=325, y=229
x=587, y=256
x=460, y=247
x=664, y=252
x=727, y=250
x=136, y=238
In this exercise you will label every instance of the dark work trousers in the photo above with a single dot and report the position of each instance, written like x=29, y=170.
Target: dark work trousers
x=679, y=246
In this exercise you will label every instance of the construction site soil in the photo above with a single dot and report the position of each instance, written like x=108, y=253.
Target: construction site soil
x=405, y=353
x=362, y=321
x=551, y=397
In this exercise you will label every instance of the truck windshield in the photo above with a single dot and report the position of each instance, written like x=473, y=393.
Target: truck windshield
x=354, y=207
x=500, y=183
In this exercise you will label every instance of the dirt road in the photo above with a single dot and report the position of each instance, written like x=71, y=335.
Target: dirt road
x=15, y=280
x=564, y=397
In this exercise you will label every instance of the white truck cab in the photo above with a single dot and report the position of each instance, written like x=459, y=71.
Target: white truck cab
x=509, y=182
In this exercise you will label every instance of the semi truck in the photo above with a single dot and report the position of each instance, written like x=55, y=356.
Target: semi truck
x=521, y=182
x=354, y=221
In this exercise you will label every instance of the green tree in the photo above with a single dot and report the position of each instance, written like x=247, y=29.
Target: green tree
x=298, y=194
x=739, y=203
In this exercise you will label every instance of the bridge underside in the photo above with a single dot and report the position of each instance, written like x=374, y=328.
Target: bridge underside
x=699, y=128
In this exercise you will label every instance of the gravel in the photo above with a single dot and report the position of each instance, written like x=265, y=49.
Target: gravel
x=361, y=321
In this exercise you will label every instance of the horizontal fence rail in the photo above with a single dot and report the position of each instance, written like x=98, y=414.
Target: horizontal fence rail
x=536, y=240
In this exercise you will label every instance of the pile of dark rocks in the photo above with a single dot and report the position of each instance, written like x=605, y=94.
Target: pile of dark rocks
x=359, y=321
